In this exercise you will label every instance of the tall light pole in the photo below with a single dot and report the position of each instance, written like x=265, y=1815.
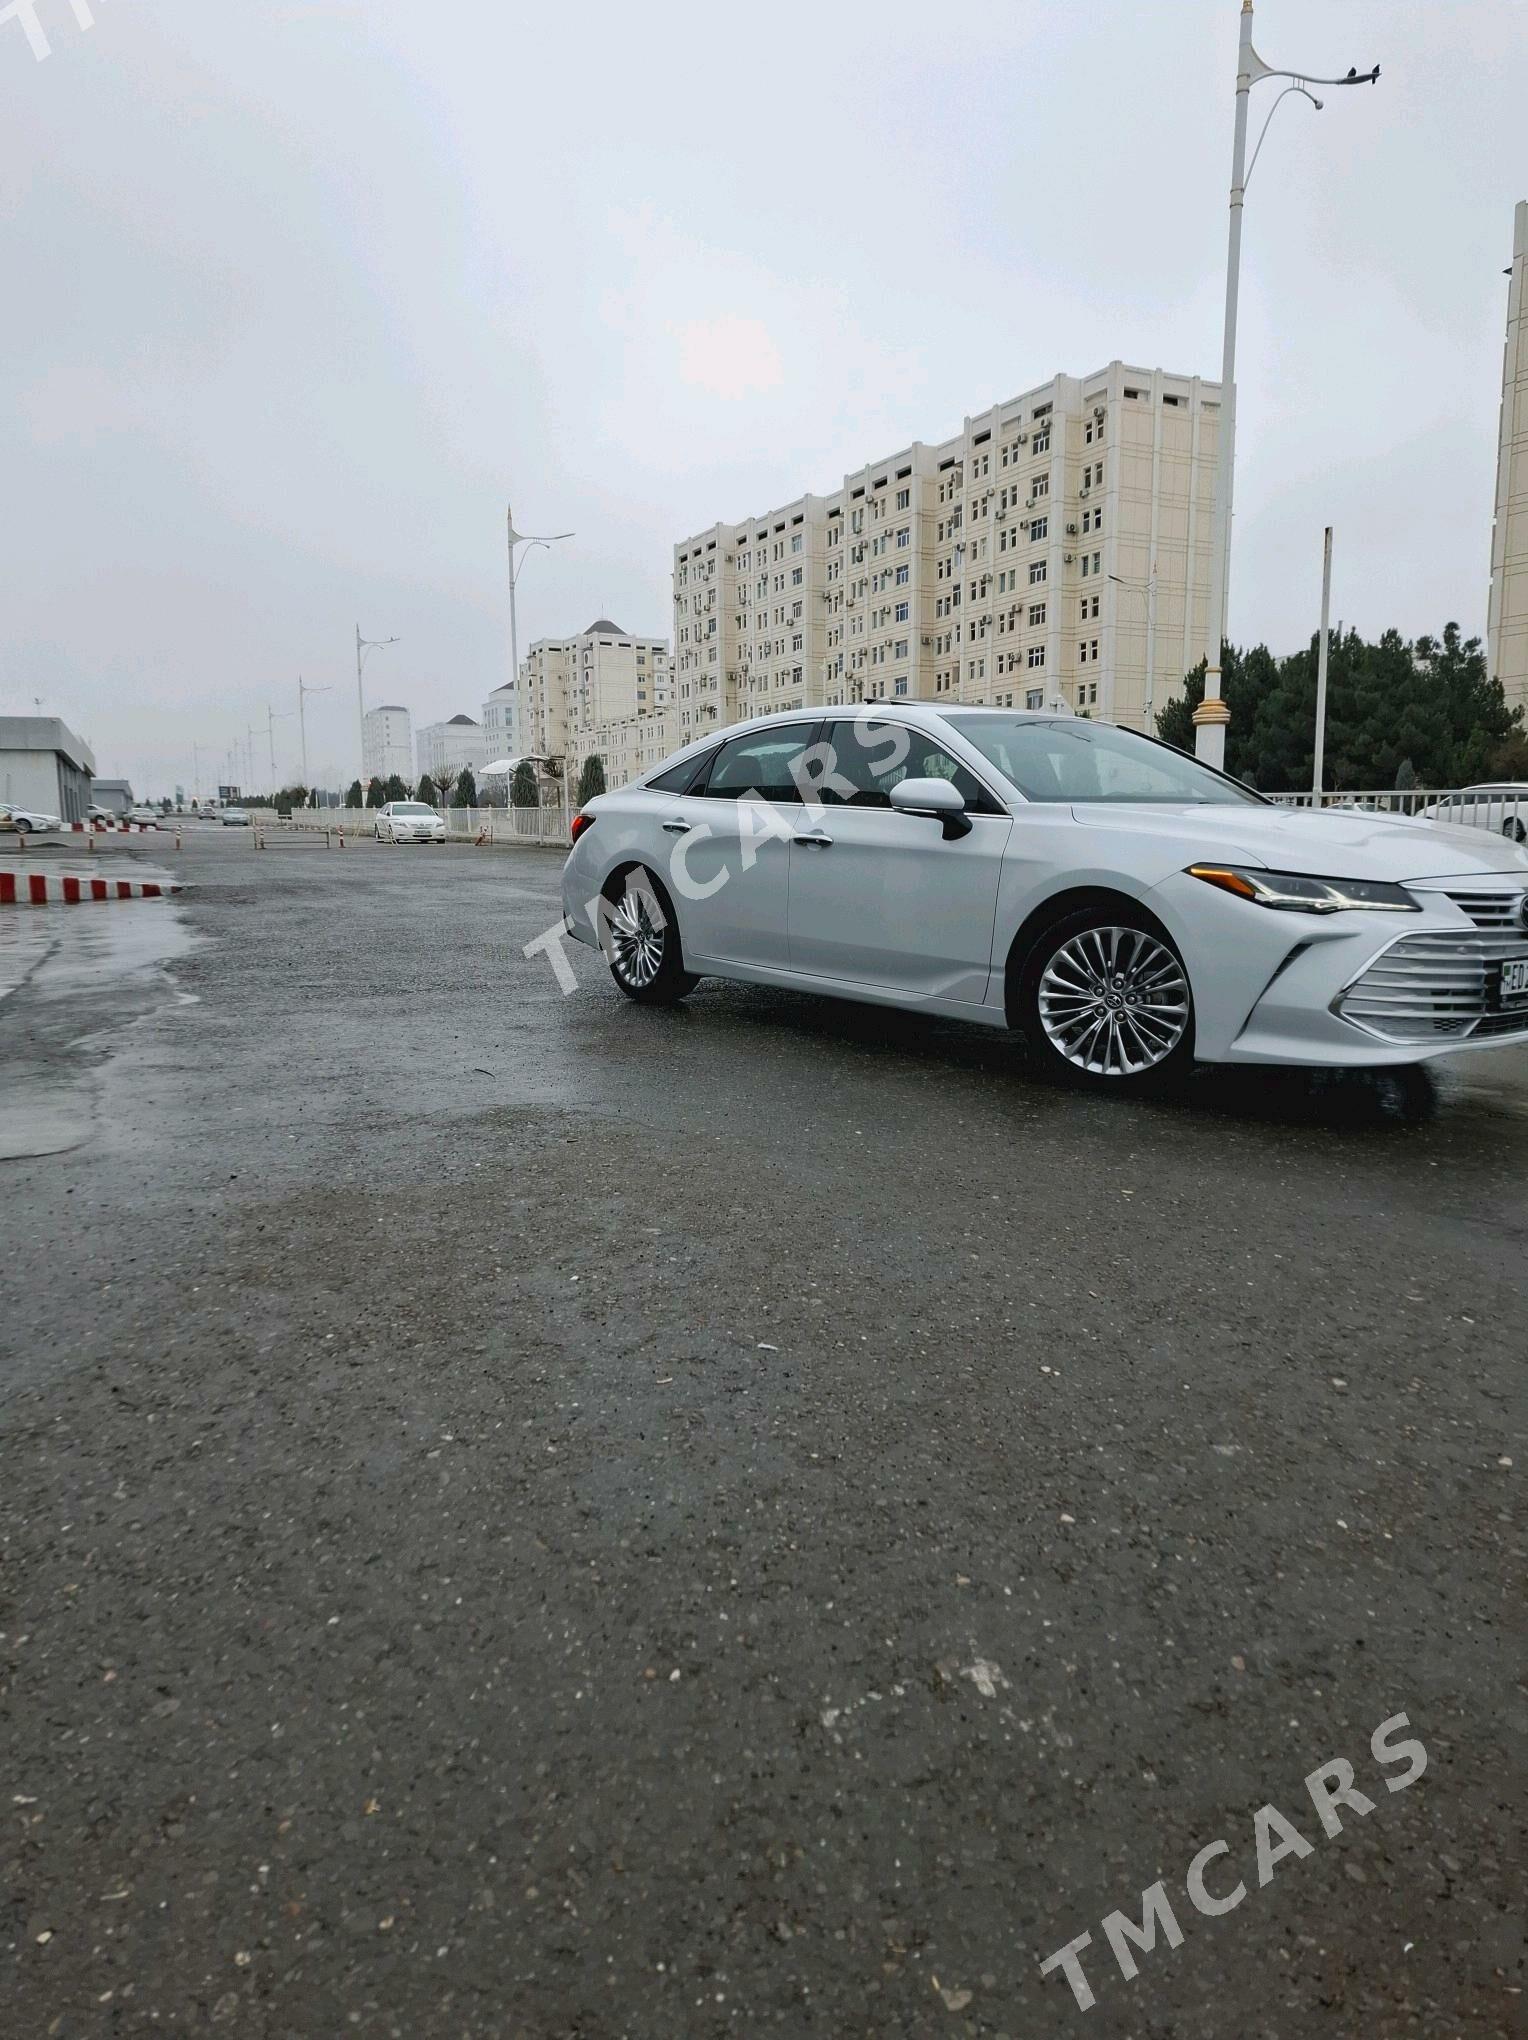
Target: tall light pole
x=303, y=690
x=362, y=647
x=1318, y=768
x=1212, y=715
x=526, y=539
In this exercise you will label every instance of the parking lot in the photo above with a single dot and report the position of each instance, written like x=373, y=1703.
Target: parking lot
x=531, y=1515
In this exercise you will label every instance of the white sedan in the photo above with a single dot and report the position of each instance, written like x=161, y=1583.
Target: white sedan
x=28, y=821
x=1501, y=807
x=1122, y=906
x=409, y=821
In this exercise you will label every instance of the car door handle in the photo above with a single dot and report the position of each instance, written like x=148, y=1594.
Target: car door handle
x=678, y=828
x=815, y=842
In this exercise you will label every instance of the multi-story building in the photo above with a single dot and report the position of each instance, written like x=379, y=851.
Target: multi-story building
x=1507, y=615
x=578, y=693
x=1057, y=549
x=387, y=744
x=499, y=720
x=452, y=746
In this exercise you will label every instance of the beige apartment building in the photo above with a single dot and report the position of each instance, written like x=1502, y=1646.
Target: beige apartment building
x=1507, y=613
x=600, y=691
x=1015, y=565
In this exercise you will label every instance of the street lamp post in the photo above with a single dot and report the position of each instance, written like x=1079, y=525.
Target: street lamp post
x=303, y=690
x=1211, y=717
x=362, y=647
x=272, y=717
x=529, y=540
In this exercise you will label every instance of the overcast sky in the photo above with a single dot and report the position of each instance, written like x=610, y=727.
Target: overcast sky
x=299, y=291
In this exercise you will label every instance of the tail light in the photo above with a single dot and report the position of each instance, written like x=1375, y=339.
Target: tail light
x=581, y=821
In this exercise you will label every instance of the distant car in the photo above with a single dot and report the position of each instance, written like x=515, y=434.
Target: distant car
x=27, y=821
x=149, y=816
x=409, y=821
x=96, y=813
x=1500, y=805
x=234, y=817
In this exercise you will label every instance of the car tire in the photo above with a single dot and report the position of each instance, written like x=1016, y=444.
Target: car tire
x=1103, y=1000
x=23, y=826
x=1512, y=828
x=640, y=937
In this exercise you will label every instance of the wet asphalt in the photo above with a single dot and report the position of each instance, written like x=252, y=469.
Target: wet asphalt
x=523, y=1515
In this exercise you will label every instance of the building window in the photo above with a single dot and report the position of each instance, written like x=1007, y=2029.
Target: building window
x=1042, y=485
x=1036, y=572
x=1036, y=614
x=904, y=538
x=1039, y=528
x=899, y=686
x=904, y=498
x=1034, y=697
x=1041, y=441
x=902, y=612
x=1037, y=655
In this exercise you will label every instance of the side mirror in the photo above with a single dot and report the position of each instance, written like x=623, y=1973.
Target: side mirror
x=938, y=799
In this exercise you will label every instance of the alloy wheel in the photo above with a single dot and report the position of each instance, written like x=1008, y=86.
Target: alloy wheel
x=1114, y=1001
x=636, y=938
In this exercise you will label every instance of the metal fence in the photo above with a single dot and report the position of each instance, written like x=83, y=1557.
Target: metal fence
x=547, y=824
x=1501, y=809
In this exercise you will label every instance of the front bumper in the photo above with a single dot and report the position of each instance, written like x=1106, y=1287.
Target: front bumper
x=1355, y=989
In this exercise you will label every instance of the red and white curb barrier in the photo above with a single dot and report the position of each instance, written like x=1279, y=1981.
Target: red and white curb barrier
x=52, y=888
x=112, y=828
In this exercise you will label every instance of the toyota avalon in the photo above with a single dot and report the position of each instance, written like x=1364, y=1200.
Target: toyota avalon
x=1124, y=907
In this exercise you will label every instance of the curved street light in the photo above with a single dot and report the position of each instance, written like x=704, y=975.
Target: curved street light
x=1212, y=715
x=529, y=539
x=362, y=647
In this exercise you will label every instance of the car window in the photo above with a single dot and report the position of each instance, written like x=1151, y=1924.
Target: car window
x=767, y=763
x=1078, y=760
x=869, y=758
x=677, y=777
x=411, y=807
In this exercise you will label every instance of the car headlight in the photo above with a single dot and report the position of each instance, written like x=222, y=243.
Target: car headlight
x=1297, y=894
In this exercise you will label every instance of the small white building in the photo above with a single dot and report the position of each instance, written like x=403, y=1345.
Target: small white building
x=387, y=744
x=500, y=720
x=452, y=746
x=44, y=765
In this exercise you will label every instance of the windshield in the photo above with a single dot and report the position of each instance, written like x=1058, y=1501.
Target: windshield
x=1078, y=760
x=411, y=807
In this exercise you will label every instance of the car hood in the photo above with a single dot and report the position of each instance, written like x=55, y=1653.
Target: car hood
x=1331, y=844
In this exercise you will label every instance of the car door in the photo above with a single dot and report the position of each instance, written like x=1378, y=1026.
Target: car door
x=878, y=897
x=726, y=847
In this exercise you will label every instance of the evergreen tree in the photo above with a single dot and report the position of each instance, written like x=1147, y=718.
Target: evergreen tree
x=428, y=791
x=353, y=797
x=466, y=789
x=591, y=780
x=376, y=793
x=523, y=791
x=396, y=788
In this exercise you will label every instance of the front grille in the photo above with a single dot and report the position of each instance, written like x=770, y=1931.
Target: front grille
x=1487, y=906
x=1441, y=985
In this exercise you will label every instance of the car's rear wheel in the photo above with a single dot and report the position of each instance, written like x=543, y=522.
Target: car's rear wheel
x=640, y=937
x=23, y=826
x=1103, y=998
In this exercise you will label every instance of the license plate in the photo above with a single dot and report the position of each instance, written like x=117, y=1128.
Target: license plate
x=1514, y=982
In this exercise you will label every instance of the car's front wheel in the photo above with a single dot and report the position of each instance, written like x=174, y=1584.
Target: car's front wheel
x=1514, y=831
x=640, y=938
x=1103, y=998
x=23, y=826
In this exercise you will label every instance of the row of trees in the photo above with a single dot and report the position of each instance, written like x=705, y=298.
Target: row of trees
x=1398, y=714
x=460, y=789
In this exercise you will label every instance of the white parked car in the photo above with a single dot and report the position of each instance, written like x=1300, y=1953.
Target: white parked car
x=1121, y=905
x=1501, y=807
x=28, y=821
x=234, y=818
x=147, y=815
x=409, y=821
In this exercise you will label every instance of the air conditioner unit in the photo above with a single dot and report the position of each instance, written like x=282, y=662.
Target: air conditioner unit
x=1085, y=490
x=926, y=642
x=1071, y=531
x=1098, y=410
x=1025, y=522
x=1021, y=439
x=1031, y=501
